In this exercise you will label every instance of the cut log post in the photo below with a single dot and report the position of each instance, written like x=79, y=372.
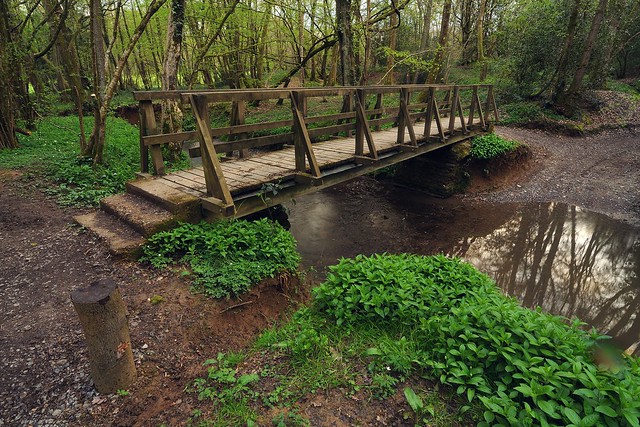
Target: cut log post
x=103, y=318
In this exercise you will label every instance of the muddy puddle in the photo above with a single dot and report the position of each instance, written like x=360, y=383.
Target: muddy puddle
x=565, y=259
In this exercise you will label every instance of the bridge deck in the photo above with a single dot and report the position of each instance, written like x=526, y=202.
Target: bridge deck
x=243, y=175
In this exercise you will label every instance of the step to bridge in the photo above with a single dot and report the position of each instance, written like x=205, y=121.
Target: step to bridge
x=125, y=221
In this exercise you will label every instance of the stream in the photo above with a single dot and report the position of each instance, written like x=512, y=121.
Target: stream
x=567, y=260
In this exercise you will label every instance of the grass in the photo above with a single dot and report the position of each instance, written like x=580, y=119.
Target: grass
x=389, y=324
x=52, y=152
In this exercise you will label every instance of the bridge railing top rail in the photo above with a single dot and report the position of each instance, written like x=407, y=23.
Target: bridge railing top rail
x=273, y=93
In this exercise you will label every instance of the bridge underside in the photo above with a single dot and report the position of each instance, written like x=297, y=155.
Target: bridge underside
x=269, y=178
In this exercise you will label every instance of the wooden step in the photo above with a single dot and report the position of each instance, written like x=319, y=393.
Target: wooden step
x=185, y=206
x=122, y=240
x=145, y=217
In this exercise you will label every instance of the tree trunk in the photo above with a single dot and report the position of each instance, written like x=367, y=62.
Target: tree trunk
x=436, y=75
x=345, y=42
x=563, y=64
x=7, y=101
x=466, y=29
x=615, y=41
x=171, y=111
x=262, y=48
x=366, y=63
x=589, y=45
x=14, y=62
x=103, y=317
x=104, y=90
x=68, y=56
x=480, y=29
x=301, y=41
x=96, y=144
x=205, y=49
x=393, y=44
x=424, y=39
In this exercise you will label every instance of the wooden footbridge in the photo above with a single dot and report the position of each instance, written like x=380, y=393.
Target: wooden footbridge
x=318, y=137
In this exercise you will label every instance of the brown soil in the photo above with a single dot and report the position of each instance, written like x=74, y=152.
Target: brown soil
x=44, y=378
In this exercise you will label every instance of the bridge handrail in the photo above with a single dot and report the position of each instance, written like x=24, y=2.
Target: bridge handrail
x=358, y=116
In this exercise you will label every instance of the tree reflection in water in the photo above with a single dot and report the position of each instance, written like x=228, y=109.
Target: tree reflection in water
x=570, y=262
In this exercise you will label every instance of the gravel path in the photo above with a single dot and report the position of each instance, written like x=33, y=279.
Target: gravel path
x=599, y=172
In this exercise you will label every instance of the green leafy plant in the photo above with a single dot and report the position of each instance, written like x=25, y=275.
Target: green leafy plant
x=227, y=257
x=525, y=367
x=290, y=419
x=490, y=146
x=417, y=405
x=230, y=392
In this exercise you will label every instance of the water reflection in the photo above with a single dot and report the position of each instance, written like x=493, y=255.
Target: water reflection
x=569, y=262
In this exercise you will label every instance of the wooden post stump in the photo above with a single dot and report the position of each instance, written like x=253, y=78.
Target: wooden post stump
x=103, y=318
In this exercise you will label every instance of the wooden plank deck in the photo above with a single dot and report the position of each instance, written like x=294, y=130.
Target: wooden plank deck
x=251, y=173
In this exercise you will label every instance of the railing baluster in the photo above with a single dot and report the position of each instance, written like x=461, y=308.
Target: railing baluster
x=452, y=111
x=302, y=142
x=362, y=127
x=483, y=123
x=148, y=120
x=214, y=177
x=429, y=117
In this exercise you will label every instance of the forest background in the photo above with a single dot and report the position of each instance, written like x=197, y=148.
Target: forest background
x=75, y=56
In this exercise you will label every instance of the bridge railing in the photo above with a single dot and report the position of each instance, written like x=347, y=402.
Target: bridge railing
x=352, y=111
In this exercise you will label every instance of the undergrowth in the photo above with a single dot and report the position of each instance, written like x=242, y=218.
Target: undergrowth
x=52, y=151
x=380, y=321
x=227, y=257
x=490, y=146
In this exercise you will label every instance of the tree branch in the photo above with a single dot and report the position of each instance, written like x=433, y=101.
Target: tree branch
x=52, y=42
x=153, y=8
x=325, y=43
x=209, y=43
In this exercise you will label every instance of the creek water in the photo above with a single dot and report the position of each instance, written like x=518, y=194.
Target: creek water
x=567, y=260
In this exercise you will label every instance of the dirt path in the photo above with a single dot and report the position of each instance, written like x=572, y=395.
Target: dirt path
x=599, y=172
x=44, y=377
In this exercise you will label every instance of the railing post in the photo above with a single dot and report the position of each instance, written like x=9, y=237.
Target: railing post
x=429, y=118
x=148, y=126
x=463, y=119
x=213, y=175
x=363, y=131
x=454, y=105
x=483, y=123
x=238, y=118
x=302, y=141
x=360, y=122
x=402, y=122
x=406, y=118
x=472, y=111
x=489, y=105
